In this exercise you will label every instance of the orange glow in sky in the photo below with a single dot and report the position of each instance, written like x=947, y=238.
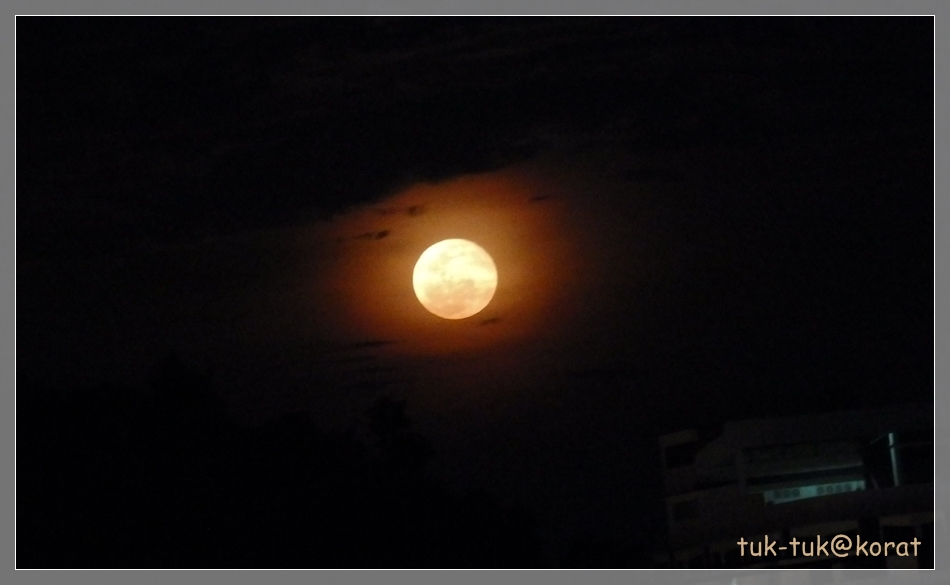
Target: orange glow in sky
x=371, y=278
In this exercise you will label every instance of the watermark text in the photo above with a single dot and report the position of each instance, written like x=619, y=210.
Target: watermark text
x=840, y=546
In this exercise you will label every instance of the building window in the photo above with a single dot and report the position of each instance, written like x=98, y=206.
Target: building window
x=780, y=496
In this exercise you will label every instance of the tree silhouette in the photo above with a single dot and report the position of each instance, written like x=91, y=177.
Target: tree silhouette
x=397, y=443
x=111, y=477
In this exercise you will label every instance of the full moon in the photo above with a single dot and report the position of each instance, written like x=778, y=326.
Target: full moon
x=455, y=279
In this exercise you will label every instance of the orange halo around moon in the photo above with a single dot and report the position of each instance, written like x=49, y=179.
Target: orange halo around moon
x=455, y=279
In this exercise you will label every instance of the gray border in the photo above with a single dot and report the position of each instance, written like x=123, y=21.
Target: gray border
x=7, y=257
x=527, y=7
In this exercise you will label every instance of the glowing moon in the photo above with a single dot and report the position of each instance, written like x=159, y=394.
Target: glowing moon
x=455, y=279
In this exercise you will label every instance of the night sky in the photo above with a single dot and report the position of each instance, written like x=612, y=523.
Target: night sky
x=694, y=220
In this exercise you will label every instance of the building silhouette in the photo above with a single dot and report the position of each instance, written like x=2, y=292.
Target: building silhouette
x=856, y=473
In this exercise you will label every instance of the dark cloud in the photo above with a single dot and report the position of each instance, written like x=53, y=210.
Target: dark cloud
x=181, y=128
x=411, y=211
x=374, y=235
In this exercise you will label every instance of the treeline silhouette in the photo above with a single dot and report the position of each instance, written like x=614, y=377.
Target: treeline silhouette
x=110, y=478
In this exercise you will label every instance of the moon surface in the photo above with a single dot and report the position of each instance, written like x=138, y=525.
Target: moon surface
x=455, y=279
